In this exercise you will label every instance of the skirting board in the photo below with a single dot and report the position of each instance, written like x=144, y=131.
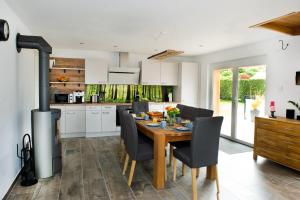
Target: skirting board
x=94, y=134
x=102, y=134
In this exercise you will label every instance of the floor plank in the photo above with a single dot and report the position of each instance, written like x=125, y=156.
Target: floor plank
x=92, y=170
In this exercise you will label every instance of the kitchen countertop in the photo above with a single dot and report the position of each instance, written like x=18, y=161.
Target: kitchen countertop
x=104, y=103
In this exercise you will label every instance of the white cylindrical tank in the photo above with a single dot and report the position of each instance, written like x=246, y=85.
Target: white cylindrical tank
x=42, y=143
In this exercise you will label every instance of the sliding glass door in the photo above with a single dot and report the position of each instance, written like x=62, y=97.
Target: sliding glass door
x=239, y=96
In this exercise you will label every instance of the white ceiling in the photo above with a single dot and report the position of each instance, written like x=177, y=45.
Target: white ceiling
x=141, y=26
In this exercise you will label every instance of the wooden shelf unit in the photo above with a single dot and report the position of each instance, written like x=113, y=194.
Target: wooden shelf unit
x=72, y=68
x=278, y=139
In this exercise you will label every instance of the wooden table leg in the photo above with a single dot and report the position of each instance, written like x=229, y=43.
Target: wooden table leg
x=159, y=161
x=211, y=172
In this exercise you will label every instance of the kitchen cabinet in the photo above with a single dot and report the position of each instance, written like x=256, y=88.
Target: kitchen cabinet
x=188, y=84
x=96, y=71
x=93, y=121
x=169, y=73
x=150, y=72
x=108, y=115
x=156, y=107
x=159, y=73
x=75, y=121
x=62, y=120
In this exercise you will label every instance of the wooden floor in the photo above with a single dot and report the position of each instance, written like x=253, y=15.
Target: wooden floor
x=92, y=170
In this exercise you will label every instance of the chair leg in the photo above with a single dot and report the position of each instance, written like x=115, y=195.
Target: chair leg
x=166, y=174
x=217, y=180
x=194, y=183
x=197, y=172
x=183, y=169
x=171, y=155
x=125, y=164
x=174, y=169
x=131, y=172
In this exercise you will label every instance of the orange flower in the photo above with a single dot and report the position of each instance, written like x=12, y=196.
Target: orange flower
x=168, y=108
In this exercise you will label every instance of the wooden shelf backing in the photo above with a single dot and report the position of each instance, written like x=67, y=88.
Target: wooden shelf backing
x=71, y=68
x=57, y=82
x=165, y=54
x=288, y=24
x=67, y=68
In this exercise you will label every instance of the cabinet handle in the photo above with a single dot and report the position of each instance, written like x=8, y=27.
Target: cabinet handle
x=108, y=107
x=105, y=112
x=95, y=113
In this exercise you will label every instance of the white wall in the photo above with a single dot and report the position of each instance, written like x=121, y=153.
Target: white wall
x=16, y=98
x=281, y=68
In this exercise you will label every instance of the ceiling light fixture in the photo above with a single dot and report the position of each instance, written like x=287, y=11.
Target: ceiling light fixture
x=81, y=43
x=115, y=46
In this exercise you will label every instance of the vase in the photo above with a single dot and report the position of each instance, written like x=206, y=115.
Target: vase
x=172, y=120
x=254, y=113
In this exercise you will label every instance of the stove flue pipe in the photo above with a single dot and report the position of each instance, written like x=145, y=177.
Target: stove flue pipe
x=37, y=42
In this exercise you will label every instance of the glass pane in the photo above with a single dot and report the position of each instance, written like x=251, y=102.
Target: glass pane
x=251, y=100
x=222, y=98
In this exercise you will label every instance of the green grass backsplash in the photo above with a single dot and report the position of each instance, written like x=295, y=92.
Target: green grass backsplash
x=125, y=93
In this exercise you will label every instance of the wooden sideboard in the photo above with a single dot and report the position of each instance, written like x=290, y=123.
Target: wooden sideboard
x=278, y=139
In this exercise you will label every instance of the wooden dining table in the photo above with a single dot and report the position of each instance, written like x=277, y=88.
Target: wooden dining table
x=161, y=137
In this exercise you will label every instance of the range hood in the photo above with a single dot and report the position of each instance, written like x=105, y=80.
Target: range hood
x=123, y=74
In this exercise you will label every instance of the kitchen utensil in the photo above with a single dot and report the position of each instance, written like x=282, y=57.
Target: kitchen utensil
x=153, y=124
x=163, y=124
x=182, y=128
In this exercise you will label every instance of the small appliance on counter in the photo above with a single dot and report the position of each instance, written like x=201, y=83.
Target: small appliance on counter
x=94, y=98
x=78, y=97
x=61, y=98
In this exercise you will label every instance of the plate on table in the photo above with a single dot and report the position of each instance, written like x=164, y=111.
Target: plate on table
x=138, y=118
x=182, y=128
x=153, y=124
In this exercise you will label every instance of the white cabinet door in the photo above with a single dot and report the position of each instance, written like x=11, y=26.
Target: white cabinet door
x=93, y=121
x=150, y=72
x=157, y=107
x=75, y=123
x=108, y=120
x=169, y=73
x=96, y=71
x=187, y=90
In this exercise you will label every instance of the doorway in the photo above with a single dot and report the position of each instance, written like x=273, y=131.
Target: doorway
x=239, y=96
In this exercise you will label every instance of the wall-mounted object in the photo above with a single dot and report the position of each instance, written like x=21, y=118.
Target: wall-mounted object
x=288, y=24
x=4, y=30
x=298, y=78
x=165, y=54
x=290, y=113
x=283, y=46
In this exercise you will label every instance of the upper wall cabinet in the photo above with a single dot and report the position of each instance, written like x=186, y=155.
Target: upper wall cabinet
x=150, y=72
x=169, y=73
x=96, y=71
x=158, y=73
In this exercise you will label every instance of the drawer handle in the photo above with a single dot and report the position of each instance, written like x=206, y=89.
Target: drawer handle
x=105, y=112
x=95, y=113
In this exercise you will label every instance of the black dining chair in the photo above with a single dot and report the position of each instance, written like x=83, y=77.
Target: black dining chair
x=190, y=113
x=135, y=150
x=139, y=107
x=120, y=112
x=203, y=151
